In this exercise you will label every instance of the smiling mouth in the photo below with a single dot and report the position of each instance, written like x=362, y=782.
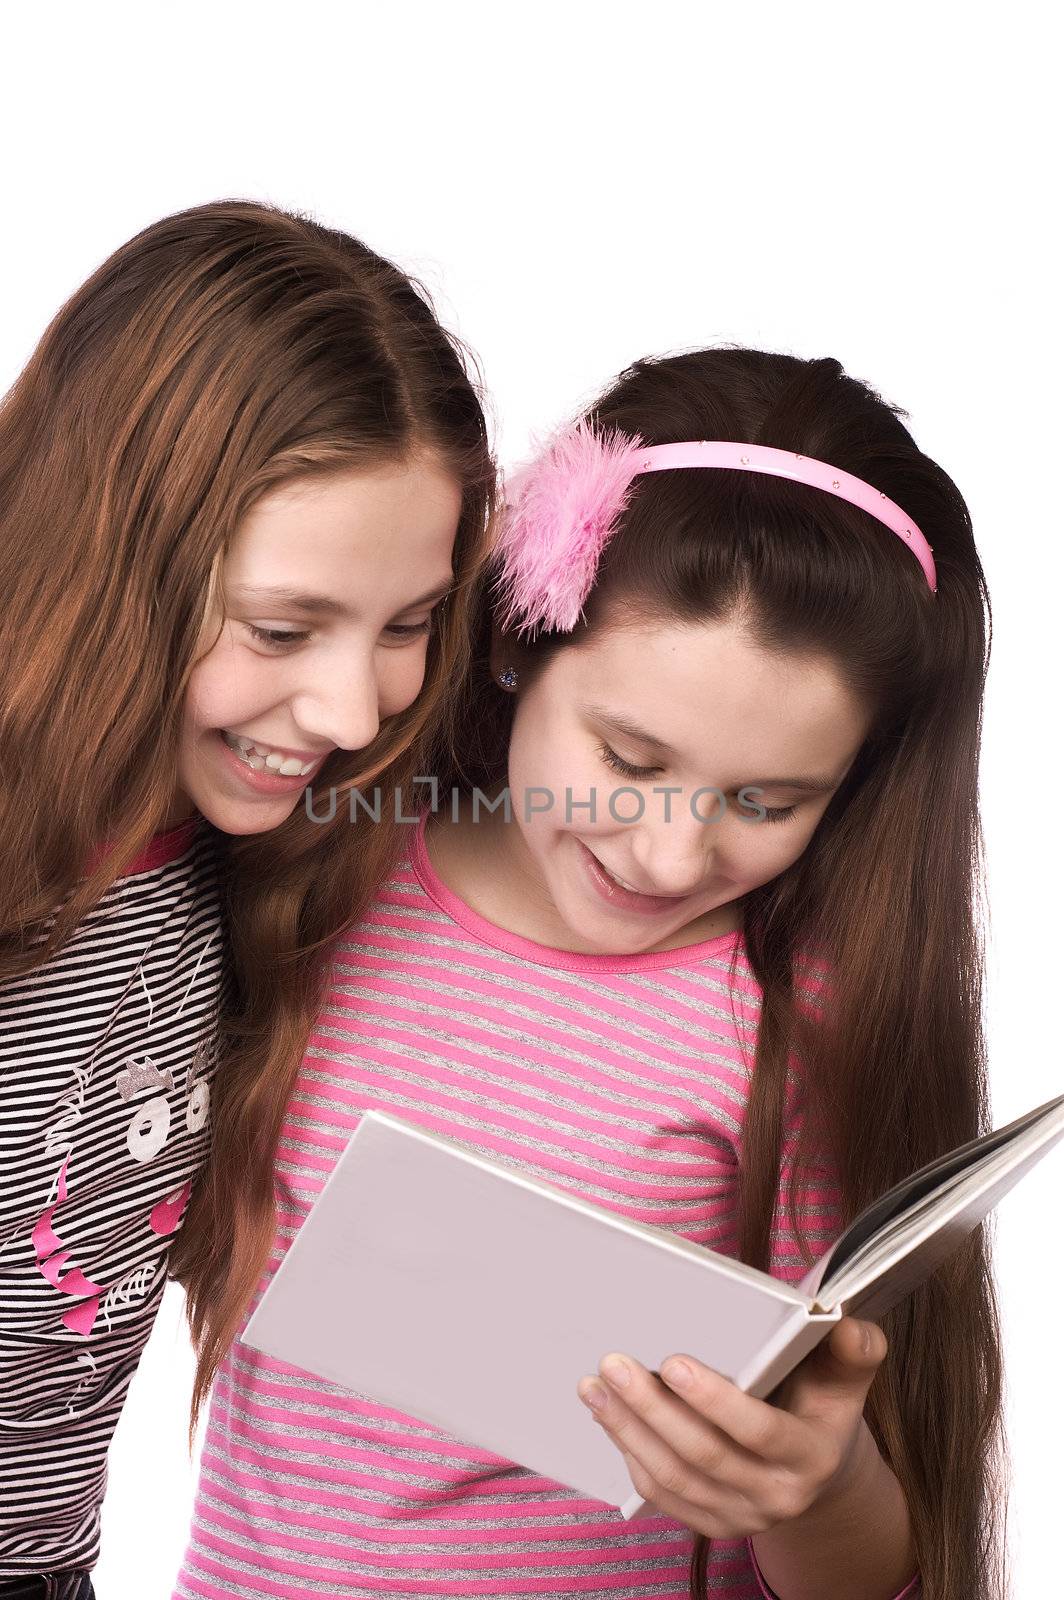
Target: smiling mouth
x=624, y=882
x=262, y=758
x=630, y=888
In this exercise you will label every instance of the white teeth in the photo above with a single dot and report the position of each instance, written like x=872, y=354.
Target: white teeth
x=260, y=758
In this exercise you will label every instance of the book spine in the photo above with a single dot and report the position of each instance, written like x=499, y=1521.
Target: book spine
x=797, y=1335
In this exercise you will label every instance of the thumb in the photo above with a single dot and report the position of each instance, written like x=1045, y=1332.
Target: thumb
x=840, y=1369
x=855, y=1351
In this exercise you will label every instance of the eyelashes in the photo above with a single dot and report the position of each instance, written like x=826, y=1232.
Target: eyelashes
x=779, y=813
x=625, y=769
x=411, y=629
x=276, y=638
x=281, y=639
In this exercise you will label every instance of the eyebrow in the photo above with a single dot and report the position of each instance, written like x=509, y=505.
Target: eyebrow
x=321, y=605
x=804, y=784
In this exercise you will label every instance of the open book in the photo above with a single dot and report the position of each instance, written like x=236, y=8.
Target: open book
x=461, y=1292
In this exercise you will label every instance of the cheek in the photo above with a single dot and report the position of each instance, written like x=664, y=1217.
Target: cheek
x=226, y=688
x=555, y=781
x=540, y=754
x=198, y=700
x=401, y=677
x=760, y=851
x=527, y=771
x=222, y=689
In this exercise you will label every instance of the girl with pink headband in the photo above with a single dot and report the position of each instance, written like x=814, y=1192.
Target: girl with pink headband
x=687, y=929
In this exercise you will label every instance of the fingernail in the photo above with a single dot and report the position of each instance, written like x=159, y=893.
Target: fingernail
x=617, y=1371
x=594, y=1396
x=866, y=1339
x=677, y=1374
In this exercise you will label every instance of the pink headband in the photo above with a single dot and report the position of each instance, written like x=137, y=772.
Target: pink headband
x=562, y=508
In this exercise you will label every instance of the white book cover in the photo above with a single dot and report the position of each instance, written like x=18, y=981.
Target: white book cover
x=455, y=1289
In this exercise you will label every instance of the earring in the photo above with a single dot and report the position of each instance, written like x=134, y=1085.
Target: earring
x=508, y=677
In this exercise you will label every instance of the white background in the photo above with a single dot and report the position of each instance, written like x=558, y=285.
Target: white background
x=580, y=184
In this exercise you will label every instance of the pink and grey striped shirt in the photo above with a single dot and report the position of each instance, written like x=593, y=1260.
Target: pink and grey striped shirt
x=621, y=1078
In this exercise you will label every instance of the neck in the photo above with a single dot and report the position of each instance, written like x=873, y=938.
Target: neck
x=484, y=861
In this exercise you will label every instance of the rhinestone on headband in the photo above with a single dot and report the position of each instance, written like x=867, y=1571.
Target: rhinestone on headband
x=800, y=469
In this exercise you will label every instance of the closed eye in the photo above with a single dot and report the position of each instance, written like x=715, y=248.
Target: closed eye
x=779, y=813
x=642, y=774
x=408, y=630
x=276, y=638
x=625, y=768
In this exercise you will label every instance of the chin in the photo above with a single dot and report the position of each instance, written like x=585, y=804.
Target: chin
x=230, y=817
x=609, y=936
x=631, y=944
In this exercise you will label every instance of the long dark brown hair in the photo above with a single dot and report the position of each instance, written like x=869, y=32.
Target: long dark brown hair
x=220, y=352
x=889, y=888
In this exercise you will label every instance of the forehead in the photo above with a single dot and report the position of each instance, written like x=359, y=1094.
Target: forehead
x=350, y=535
x=717, y=698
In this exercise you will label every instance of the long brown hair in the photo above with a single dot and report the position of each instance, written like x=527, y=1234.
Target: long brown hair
x=219, y=352
x=889, y=887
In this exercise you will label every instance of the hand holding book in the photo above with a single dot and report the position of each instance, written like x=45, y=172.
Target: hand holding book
x=701, y=1450
x=795, y=1478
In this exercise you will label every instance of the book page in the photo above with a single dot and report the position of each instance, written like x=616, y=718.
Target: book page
x=927, y=1186
x=900, y=1256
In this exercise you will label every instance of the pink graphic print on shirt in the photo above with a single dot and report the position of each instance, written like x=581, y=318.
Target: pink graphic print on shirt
x=146, y=1135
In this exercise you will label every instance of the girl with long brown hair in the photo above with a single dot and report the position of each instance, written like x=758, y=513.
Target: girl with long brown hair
x=697, y=940
x=244, y=490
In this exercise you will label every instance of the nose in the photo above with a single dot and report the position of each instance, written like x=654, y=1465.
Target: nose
x=341, y=708
x=674, y=857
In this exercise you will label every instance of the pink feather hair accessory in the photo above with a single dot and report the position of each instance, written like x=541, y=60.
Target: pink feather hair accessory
x=563, y=506
x=560, y=511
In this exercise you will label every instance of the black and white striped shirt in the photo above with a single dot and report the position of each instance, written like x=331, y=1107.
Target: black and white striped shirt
x=106, y=1058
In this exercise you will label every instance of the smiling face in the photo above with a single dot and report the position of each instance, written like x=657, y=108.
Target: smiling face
x=329, y=587
x=714, y=711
